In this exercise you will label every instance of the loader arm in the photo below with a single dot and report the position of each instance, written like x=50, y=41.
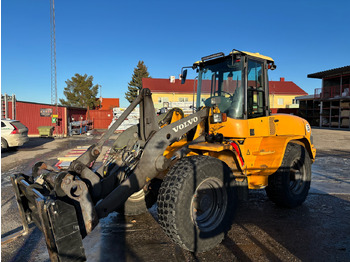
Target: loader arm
x=152, y=161
x=147, y=126
x=78, y=198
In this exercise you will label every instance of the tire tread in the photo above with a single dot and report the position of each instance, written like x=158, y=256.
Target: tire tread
x=172, y=187
x=276, y=190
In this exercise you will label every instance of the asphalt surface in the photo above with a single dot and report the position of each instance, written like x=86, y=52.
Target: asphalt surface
x=319, y=230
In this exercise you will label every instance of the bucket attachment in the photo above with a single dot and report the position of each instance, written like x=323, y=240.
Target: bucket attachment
x=57, y=219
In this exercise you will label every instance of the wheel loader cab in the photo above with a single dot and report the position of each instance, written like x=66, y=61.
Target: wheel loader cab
x=237, y=84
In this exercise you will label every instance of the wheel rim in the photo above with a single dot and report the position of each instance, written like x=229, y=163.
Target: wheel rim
x=208, y=205
x=297, y=177
x=137, y=196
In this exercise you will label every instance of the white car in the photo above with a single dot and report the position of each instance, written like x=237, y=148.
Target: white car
x=13, y=133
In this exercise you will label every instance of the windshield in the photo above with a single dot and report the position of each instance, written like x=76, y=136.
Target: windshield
x=221, y=84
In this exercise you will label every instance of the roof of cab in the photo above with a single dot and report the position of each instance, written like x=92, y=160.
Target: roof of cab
x=257, y=55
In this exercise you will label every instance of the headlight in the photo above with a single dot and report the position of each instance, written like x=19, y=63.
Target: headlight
x=219, y=118
x=308, y=128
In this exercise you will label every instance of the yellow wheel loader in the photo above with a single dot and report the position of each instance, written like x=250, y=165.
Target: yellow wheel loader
x=195, y=167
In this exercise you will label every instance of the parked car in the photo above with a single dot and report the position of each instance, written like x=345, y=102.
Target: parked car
x=13, y=133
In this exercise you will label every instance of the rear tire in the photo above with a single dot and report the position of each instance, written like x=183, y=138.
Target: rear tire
x=196, y=202
x=290, y=185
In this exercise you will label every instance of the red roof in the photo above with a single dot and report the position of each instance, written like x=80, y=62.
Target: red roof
x=285, y=88
x=160, y=85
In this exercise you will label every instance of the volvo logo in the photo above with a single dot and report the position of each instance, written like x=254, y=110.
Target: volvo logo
x=186, y=124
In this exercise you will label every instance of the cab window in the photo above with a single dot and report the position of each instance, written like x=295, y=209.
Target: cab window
x=223, y=83
x=255, y=90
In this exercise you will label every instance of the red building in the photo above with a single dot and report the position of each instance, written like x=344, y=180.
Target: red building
x=34, y=115
x=108, y=103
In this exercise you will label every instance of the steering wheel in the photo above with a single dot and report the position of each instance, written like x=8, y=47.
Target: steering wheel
x=230, y=95
x=224, y=92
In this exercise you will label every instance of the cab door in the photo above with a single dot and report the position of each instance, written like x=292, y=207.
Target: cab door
x=259, y=121
x=257, y=99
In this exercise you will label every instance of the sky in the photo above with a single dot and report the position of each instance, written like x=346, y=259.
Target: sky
x=106, y=39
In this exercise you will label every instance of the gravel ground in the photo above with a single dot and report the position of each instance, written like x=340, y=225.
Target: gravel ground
x=319, y=230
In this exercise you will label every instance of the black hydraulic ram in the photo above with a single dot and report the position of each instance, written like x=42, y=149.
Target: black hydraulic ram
x=66, y=206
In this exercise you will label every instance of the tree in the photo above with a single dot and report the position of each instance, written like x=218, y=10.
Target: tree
x=136, y=81
x=80, y=92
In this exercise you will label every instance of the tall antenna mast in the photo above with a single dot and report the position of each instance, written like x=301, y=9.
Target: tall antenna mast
x=53, y=56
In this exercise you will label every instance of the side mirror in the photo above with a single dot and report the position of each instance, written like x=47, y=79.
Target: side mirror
x=235, y=58
x=183, y=76
x=272, y=66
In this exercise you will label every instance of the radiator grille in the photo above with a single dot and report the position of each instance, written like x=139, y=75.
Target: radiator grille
x=272, y=126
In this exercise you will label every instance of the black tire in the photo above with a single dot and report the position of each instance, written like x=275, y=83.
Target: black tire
x=135, y=205
x=139, y=202
x=4, y=144
x=196, y=202
x=290, y=185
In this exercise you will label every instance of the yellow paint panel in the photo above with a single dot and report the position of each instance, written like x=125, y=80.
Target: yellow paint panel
x=289, y=125
x=257, y=182
x=233, y=128
x=257, y=55
x=260, y=126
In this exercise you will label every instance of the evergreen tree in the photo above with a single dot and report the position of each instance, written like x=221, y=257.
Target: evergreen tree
x=81, y=92
x=136, y=81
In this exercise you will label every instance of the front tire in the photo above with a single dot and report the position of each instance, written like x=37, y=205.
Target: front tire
x=135, y=205
x=290, y=185
x=139, y=202
x=196, y=202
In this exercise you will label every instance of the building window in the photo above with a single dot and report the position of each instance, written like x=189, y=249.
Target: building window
x=183, y=99
x=163, y=99
x=295, y=102
x=331, y=87
x=346, y=86
x=280, y=101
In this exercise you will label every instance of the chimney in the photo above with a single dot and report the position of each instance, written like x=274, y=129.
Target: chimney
x=172, y=79
x=282, y=79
